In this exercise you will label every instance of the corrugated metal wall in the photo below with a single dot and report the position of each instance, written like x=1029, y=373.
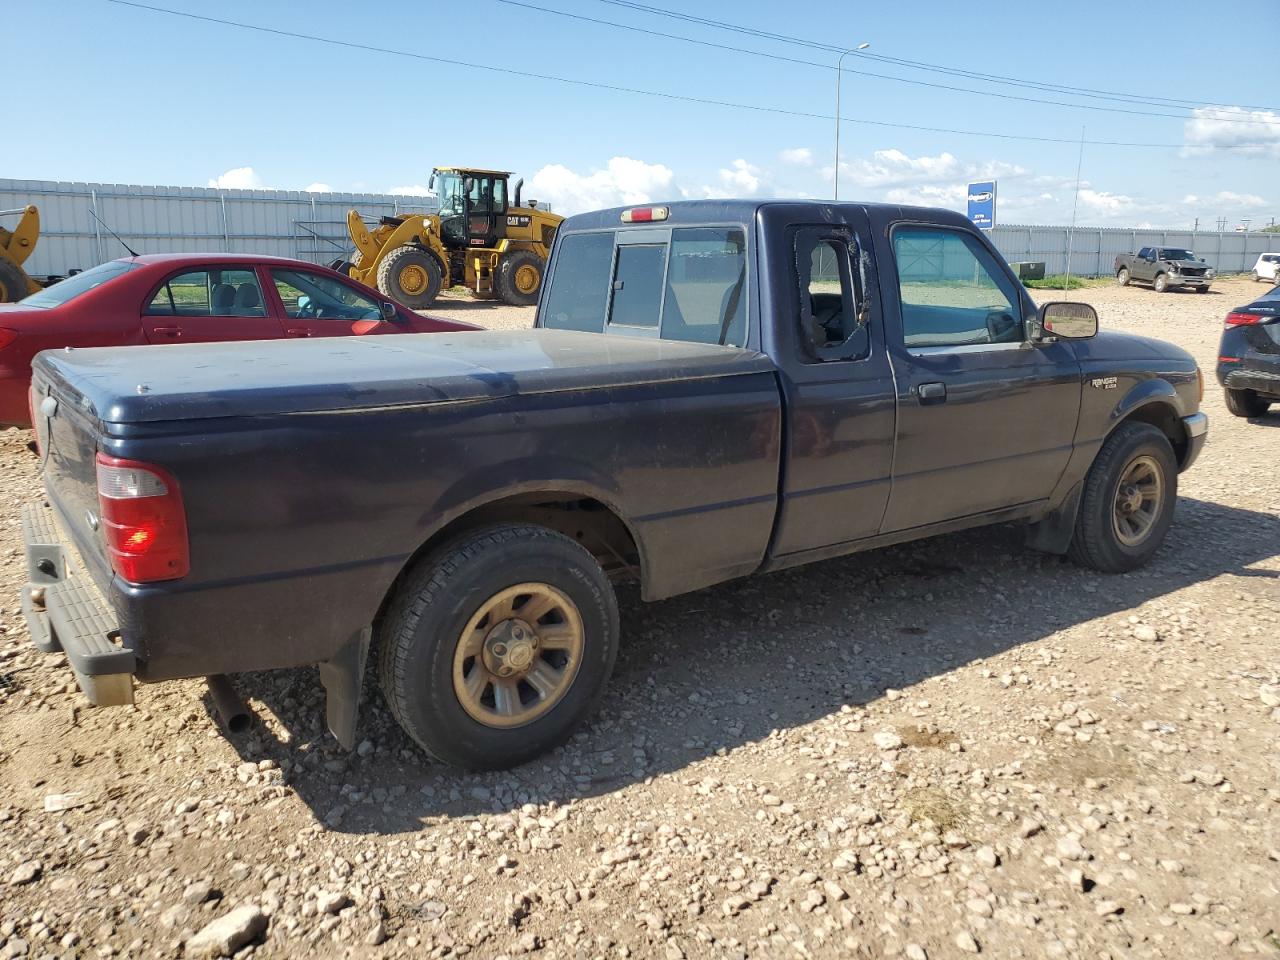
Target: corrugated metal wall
x=283, y=223
x=1094, y=249
x=312, y=226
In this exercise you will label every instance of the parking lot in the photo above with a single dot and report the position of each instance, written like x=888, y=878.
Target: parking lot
x=934, y=750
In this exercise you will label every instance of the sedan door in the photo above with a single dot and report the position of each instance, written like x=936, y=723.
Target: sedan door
x=316, y=304
x=986, y=420
x=208, y=304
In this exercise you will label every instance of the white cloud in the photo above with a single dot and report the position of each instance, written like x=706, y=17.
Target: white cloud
x=1225, y=198
x=797, y=156
x=1233, y=127
x=238, y=178
x=953, y=196
x=623, y=181
x=318, y=187
x=893, y=168
x=741, y=178
x=1105, y=202
x=413, y=190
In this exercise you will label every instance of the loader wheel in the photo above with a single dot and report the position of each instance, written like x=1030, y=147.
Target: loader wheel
x=411, y=276
x=13, y=282
x=520, y=278
x=498, y=645
x=357, y=258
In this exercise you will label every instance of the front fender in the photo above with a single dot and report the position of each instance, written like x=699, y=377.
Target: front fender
x=1143, y=394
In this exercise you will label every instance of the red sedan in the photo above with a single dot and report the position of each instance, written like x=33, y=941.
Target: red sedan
x=185, y=298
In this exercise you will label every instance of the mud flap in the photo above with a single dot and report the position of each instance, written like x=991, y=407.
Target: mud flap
x=343, y=677
x=1054, y=533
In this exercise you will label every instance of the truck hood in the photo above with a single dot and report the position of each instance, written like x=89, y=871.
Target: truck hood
x=1198, y=264
x=199, y=381
x=1113, y=345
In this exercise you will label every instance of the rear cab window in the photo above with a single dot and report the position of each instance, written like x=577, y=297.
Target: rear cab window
x=677, y=283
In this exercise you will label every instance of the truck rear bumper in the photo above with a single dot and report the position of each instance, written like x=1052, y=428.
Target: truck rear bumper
x=65, y=611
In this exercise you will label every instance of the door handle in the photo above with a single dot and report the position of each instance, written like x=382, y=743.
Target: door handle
x=298, y=332
x=171, y=332
x=932, y=392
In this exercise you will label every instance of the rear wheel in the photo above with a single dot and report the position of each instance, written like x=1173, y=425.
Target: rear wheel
x=411, y=276
x=499, y=645
x=1161, y=283
x=1202, y=289
x=1246, y=403
x=13, y=282
x=1127, y=502
x=520, y=278
x=1122, y=276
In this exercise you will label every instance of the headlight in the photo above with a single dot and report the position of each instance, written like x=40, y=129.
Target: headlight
x=1209, y=272
x=1173, y=268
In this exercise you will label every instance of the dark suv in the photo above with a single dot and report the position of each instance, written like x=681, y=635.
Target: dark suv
x=1249, y=356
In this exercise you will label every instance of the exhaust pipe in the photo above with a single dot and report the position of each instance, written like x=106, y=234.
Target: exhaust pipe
x=231, y=709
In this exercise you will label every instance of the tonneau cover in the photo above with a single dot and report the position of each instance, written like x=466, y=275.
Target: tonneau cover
x=202, y=380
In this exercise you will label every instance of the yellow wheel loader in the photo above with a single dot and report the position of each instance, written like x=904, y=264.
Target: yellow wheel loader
x=16, y=246
x=497, y=250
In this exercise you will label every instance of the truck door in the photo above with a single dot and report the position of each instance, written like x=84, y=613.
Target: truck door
x=985, y=419
x=828, y=342
x=1143, y=267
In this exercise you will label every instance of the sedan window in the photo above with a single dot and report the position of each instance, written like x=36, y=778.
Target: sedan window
x=209, y=293
x=67, y=290
x=309, y=295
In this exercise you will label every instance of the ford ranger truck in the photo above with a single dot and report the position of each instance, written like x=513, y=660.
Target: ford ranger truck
x=1165, y=268
x=712, y=389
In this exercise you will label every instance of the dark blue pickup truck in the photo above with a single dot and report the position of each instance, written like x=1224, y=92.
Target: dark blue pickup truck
x=712, y=389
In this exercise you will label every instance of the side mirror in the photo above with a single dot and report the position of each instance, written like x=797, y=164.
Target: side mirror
x=389, y=311
x=1069, y=321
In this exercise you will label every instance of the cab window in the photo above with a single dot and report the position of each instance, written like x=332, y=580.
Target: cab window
x=832, y=307
x=215, y=292
x=688, y=283
x=579, y=288
x=952, y=291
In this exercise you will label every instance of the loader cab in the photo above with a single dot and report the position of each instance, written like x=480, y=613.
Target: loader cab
x=473, y=206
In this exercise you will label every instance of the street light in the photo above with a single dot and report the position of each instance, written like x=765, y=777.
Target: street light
x=839, y=66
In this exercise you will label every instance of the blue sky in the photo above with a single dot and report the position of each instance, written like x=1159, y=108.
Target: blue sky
x=120, y=94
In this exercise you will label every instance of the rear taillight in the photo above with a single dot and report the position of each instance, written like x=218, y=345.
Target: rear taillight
x=143, y=520
x=7, y=337
x=1238, y=318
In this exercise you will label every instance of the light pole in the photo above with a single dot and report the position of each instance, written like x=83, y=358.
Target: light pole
x=839, y=67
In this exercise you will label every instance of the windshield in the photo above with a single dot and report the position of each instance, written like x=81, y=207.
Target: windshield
x=449, y=191
x=1176, y=253
x=67, y=290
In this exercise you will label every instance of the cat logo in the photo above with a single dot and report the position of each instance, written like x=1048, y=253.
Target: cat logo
x=518, y=221
x=1105, y=383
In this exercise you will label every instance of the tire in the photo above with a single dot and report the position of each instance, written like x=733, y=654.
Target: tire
x=13, y=282
x=424, y=670
x=414, y=269
x=1246, y=403
x=520, y=278
x=1202, y=289
x=357, y=258
x=1160, y=284
x=1098, y=542
x=1122, y=276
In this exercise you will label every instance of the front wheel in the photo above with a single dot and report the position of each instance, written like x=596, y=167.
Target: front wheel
x=1122, y=277
x=1161, y=283
x=412, y=276
x=1246, y=403
x=499, y=646
x=1127, y=502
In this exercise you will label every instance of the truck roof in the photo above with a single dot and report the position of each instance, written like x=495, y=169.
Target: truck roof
x=691, y=212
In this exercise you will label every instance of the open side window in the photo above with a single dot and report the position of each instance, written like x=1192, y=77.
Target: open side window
x=833, y=310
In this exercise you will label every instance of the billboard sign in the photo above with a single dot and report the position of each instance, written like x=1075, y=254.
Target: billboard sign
x=982, y=204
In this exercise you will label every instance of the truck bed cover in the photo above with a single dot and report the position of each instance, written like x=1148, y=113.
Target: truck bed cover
x=271, y=377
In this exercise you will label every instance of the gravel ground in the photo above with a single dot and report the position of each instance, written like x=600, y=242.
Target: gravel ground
x=936, y=750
